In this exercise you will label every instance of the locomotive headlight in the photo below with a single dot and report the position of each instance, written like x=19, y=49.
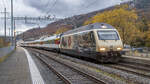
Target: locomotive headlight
x=119, y=48
x=102, y=49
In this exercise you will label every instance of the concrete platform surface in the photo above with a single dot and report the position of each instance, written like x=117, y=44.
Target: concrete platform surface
x=15, y=69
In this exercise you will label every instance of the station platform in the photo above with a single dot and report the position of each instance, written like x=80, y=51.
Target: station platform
x=15, y=69
x=20, y=68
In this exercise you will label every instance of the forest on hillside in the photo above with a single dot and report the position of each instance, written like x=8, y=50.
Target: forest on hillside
x=134, y=29
x=133, y=23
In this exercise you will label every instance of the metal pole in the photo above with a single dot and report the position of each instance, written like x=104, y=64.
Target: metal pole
x=5, y=22
x=14, y=28
x=14, y=34
x=9, y=33
x=12, y=21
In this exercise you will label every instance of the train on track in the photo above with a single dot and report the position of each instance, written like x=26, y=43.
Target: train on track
x=99, y=41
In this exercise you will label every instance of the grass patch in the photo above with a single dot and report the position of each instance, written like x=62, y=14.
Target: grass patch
x=3, y=43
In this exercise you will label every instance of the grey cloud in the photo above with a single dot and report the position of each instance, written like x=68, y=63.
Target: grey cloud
x=63, y=8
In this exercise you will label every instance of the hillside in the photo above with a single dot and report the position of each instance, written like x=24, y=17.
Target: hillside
x=142, y=7
x=77, y=20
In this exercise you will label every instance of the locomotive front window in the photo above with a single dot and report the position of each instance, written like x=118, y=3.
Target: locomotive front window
x=108, y=35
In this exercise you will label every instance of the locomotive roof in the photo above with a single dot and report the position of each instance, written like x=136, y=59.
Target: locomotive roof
x=90, y=27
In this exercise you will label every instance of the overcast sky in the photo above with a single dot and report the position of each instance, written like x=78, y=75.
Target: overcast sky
x=59, y=8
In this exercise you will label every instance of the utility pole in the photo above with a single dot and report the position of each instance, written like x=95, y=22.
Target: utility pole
x=14, y=33
x=9, y=34
x=14, y=27
x=4, y=21
x=12, y=21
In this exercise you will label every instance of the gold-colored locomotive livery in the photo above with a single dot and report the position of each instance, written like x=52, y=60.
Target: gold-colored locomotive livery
x=99, y=41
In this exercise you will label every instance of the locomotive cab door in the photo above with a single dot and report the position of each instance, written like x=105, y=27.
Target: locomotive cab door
x=93, y=42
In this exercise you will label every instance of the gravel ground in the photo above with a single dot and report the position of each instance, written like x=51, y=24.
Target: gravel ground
x=69, y=73
x=48, y=76
x=127, y=76
x=100, y=75
x=105, y=73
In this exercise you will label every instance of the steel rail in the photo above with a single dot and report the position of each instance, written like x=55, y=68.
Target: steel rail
x=96, y=80
x=55, y=71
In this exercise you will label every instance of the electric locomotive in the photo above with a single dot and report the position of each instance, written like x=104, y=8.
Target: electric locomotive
x=99, y=41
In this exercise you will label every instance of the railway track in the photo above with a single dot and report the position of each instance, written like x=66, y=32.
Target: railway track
x=129, y=74
x=129, y=68
x=137, y=71
x=66, y=72
x=143, y=67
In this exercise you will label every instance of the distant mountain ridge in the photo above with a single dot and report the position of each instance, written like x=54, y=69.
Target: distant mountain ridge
x=77, y=20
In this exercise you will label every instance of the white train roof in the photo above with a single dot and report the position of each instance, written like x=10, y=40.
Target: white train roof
x=44, y=39
x=90, y=27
